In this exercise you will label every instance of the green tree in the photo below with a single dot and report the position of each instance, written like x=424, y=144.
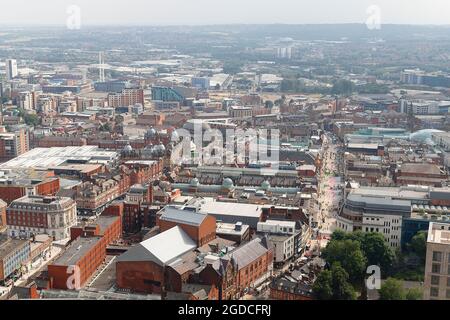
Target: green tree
x=377, y=251
x=269, y=104
x=418, y=244
x=414, y=294
x=350, y=256
x=322, y=288
x=342, y=289
x=392, y=289
x=344, y=87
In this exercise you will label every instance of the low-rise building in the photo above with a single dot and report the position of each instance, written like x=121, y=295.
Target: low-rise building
x=31, y=215
x=14, y=254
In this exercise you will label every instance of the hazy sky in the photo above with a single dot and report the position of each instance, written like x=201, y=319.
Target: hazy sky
x=195, y=12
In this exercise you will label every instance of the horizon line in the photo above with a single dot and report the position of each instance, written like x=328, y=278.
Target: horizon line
x=59, y=25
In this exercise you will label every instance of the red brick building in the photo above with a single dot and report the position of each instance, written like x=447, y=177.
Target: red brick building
x=245, y=267
x=142, y=268
x=3, y=206
x=87, y=250
x=37, y=182
x=425, y=174
x=60, y=141
x=77, y=264
x=200, y=227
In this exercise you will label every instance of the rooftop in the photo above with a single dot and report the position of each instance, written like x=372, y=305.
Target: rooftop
x=170, y=213
x=230, y=208
x=439, y=233
x=8, y=245
x=162, y=249
x=53, y=157
x=77, y=250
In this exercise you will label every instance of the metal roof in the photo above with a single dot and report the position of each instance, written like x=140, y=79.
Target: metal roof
x=182, y=216
x=162, y=248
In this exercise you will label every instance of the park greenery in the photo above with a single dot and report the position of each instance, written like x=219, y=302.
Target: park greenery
x=354, y=252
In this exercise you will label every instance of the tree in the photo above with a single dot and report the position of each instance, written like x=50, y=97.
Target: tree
x=322, y=288
x=333, y=284
x=373, y=246
x=392, y=289
x=414, y=294
x=377, y=251
x=418, y=244
x=342, y=86
x=342, y=289
x=350, y=256
x=269, y=104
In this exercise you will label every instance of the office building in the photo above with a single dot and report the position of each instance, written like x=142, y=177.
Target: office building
x=437, y=265
x=11, y=69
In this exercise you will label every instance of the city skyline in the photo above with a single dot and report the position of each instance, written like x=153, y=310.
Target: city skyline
x=179, y=12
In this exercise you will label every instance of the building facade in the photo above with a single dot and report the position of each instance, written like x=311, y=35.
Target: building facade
x=31, y=215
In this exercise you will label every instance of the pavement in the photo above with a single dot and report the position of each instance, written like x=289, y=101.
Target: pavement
x=331, y=189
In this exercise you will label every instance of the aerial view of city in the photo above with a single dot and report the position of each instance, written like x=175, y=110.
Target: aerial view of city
x=253, y=151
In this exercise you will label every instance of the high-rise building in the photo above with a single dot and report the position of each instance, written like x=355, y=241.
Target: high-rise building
x=13, y=144
x=437, y=263
x=11, y=69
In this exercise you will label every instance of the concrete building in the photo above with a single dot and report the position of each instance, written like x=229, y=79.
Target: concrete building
x=14, y=254
x=240, y=112
x=32, y=215
x=437, y=265
x=13, y=144
x=374, y=214
x=11, y=69
x=128, y=97
x=284, y=237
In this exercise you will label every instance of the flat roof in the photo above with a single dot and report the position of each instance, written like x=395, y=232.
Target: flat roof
x=76, y=251
x=170, y=213
x=231, y=209
x=230, y=228
x=56, y=156
x=439, y=233
x=8, y=245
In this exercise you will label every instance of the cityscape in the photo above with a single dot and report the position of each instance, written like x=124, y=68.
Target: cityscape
x=243, y=161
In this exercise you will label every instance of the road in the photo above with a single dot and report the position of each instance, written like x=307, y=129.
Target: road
x=331, y=186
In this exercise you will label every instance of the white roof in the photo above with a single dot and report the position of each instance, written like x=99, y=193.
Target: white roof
x=280, y=223
x=53, y=157
x=162, y=248
x=232, y=209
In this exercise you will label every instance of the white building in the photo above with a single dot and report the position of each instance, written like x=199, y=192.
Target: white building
x=11, y=69
x=283, y=236
x=375, y=214
x=437, y=263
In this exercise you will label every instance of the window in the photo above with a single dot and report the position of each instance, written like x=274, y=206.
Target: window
x=434, y=292
x=437, y=256
x=447, y=294
x=435, y=280
x=436, y=268
x=448, y=282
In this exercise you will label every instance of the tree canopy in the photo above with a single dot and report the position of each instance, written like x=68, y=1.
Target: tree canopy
x=393, y=289
x=349, y=255
x=333, y=285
